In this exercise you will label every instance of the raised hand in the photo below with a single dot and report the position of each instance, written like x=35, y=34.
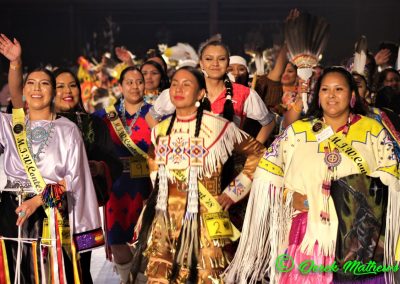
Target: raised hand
x=382, y=57
x=123, y=54
x=10, y=49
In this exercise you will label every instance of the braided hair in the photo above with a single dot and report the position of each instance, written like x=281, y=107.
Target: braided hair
x=193, y=273
x=228, y=112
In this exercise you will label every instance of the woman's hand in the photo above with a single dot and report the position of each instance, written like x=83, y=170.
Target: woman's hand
x=124, y=55
x=11, y=50
x=27, y=208
x=225, y=201
x=299, y=203
x=382, y=57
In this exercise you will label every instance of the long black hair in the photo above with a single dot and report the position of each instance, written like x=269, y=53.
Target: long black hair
x=151, y=53
x=316, y=111
x=193, y=273
x=164, y=82
x=47, y=72
x=228, y=111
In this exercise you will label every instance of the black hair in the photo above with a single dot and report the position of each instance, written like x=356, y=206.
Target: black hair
x=315, y=110
x=383, y=74
x=126, y=70
x=58, y=72
x=214, y=43
x=164, y=82
x=202, y=85
x=47, y=72
x=387, y=97
x=228, y=111
x=193, y=273
x=154, y=53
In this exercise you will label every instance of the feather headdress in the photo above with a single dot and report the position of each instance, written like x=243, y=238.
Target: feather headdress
x=360, y=56
x=181, y=51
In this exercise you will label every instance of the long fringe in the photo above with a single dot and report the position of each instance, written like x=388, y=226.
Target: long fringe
x=218, y=153
x=162, y=197
x=262, y=236
x=392, y=232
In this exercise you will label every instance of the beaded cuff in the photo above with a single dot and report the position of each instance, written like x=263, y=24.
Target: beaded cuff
x=89, y=240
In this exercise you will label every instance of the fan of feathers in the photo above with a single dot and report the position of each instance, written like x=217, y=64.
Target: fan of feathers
x=306, y=36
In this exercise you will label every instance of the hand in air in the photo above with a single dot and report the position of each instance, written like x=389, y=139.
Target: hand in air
x=10, y=49
x=123, y=54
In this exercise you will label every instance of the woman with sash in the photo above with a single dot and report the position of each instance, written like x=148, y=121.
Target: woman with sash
x=48, y=209
x=185, y=230
x=104, y=165
x=325, y=197
x=130, y=133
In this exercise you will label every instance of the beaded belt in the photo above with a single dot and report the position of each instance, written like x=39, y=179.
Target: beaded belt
x=18, y=187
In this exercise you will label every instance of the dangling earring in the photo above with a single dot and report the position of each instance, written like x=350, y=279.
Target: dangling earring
x=353, y=101
x=204, y=73
x=197, y=104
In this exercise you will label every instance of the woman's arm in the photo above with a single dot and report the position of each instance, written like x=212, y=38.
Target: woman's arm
x=239, y=188
x=12, y=51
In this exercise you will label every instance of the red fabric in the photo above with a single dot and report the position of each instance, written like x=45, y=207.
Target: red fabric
x=240, y=94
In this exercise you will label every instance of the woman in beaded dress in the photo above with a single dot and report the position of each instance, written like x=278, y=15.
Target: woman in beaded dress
x=190, y=150
x=325, y=199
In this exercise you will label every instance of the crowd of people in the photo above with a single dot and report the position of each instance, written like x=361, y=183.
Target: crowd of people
x=206, y=173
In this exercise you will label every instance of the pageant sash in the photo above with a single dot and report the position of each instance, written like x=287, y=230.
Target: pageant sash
x=19, y=132
x=213, y=206
x=122, y=134
x=38, y=184
x=345, y=148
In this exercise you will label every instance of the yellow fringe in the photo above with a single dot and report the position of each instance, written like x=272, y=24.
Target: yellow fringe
x=35, y=266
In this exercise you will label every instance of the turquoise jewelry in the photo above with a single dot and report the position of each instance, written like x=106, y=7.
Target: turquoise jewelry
x=122, y=109
x=39, y=135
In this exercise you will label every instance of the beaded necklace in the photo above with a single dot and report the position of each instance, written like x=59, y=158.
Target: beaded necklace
x=332, y=159
x=122, y=109
x=38, y=134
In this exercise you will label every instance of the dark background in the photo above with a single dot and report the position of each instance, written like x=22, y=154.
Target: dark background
x=58, y=31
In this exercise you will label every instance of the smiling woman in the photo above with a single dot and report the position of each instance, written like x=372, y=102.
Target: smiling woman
x=191, y=148
x=130, y=133
x=53, y=187
x=342, y=206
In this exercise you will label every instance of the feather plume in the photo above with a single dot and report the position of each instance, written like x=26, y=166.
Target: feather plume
x=181, y=51
x=306, y=37
x=259, y=62
x=360, y=55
